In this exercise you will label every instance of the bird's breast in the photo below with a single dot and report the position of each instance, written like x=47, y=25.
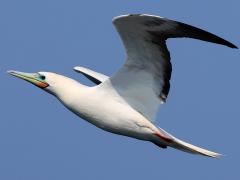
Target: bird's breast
x=109, y=114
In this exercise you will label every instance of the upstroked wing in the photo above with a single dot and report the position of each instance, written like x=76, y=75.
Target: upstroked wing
x=143, y=81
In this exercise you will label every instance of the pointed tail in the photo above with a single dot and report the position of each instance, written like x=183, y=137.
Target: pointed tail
x=181, y=145
x=184, y=146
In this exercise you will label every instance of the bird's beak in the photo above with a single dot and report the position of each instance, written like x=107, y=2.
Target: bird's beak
x=33, y=78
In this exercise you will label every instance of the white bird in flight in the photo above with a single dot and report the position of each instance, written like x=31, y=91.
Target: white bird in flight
x=127, y=102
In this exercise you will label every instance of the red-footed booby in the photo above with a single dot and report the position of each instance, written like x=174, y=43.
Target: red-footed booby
x=127, y=102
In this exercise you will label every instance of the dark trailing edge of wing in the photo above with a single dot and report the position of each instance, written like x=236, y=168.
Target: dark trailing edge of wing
x=180, y=30
x=159, y=30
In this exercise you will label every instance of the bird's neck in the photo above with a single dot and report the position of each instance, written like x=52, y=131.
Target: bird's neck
x=68, y=90
x=72, y=97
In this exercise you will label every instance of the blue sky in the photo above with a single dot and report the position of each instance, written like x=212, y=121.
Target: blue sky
x=40, y=139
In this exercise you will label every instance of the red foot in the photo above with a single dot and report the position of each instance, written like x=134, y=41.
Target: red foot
x=163, y=136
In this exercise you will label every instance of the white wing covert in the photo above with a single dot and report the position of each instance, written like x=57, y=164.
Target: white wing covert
x=144, y=78
x=93, y=76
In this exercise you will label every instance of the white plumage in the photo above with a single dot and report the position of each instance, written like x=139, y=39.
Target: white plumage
x=127, y=102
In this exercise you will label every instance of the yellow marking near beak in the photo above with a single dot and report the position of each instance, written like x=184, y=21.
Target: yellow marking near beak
x=30, y=77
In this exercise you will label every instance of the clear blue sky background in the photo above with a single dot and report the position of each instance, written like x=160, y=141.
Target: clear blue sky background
x=41, y=140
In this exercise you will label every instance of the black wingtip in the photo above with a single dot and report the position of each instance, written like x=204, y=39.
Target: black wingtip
x=227, y=43
x=232, y=46
x=197, y=33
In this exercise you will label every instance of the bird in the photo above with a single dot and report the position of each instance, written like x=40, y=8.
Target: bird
x=127, y=102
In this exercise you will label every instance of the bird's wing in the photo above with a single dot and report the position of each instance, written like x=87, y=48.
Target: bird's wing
x=144, y=78
x=95, y=77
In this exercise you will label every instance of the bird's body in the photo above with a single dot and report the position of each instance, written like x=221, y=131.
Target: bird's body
x=127, y=102
x=106, y=109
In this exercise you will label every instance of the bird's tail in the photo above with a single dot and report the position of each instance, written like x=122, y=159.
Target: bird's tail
x=184, y=146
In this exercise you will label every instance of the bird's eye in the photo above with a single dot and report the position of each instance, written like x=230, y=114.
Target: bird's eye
x=42, y=77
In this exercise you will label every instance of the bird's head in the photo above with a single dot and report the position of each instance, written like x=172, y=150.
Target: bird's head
x=48, y=81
